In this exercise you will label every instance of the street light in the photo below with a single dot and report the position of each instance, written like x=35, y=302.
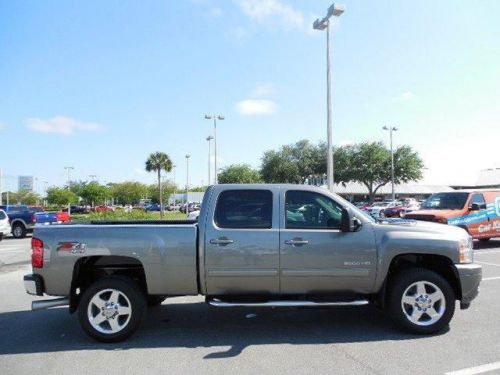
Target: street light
x=68, y=169
x=209, y=138
x=175, y=187
x=215, y=118
x=334, y=10
x=391, y=129
x=187, y=182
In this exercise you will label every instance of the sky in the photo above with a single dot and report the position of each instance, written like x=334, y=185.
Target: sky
x=100, y=85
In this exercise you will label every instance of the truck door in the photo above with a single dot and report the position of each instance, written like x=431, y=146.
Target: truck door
x=315, y=256
x=479, y=222
x=242, y=243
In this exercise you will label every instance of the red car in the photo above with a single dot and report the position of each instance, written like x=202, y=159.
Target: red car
x=104, y=208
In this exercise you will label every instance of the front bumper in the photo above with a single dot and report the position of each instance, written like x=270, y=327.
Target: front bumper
x=33, y=284
x=470, y=276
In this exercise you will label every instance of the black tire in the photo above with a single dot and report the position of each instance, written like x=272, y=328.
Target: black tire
x=155, y=300
x=19, y=230
x=1, y=237
x=135, y=297
x=484, y=240
x=402, y=282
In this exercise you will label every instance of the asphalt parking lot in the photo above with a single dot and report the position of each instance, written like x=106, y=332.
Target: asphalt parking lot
x=185, y=335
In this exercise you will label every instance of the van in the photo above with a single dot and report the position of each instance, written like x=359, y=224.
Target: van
x=476, y=211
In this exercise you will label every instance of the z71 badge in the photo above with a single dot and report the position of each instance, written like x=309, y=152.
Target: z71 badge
x=72, y=247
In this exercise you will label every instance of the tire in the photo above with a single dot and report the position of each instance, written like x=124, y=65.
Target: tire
x=19, y=230
x=484, y=240
x=113, y=295
x=1, y=237
x=155, y=300
x=432, y=315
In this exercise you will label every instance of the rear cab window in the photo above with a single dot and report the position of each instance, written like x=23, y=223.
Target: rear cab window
x=2, y=215
x=244, y=209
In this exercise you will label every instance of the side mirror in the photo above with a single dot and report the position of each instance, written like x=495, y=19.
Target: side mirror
x=349, y=223
x=474, y=207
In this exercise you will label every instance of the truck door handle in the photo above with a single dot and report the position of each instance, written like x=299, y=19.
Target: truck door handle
x=296, y=242
x=223, y=241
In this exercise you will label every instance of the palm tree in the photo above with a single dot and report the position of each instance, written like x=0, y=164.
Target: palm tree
x=159, y=161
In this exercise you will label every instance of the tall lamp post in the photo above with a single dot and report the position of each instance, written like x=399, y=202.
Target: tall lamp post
x=187, y=183
x=215, y=118
x=68, y=169
x=334, y=10
x=175, y=187
x=209, y=139
x=391, y=129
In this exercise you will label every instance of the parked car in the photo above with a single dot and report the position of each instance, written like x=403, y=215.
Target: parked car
x=476, y=211
x=104, y=208
x=51, y=217
x=375, y=209
x=4, y=225
x=78, y=209
x=22, y=220
x=193, y=215
x=407, y=205
x=153, y=207
x=256, y=245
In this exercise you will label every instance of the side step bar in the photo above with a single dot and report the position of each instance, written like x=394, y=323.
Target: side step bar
x=47, y=304
x=219, y=303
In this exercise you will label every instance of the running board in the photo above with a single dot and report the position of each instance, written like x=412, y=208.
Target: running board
x=218, y=303
x=47, y=304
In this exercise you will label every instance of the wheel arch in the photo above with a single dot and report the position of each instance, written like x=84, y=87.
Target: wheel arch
x=89, y=269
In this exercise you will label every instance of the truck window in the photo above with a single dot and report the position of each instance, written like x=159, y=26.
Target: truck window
x=309, y=210
x=244, y=209
x=479, y=200
x=2, y=215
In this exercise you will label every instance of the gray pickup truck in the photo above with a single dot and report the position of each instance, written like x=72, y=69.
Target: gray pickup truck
x=256, y=245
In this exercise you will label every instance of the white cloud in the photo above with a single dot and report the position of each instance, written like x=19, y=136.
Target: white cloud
x=140, y=172
x=255, y=107
x=405, y=97
x=61, y=125
x=263, y=89
x=273, y=10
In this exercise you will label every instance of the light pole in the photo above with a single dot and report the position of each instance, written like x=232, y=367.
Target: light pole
x=187, y=183
x=391, y=129
x=68, y=169
x=175, y=186
x=215, y=118
x=209, y=138
x=334, y=10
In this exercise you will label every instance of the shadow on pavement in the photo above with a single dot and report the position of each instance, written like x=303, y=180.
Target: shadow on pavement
x=193, y=325
x=492, y=243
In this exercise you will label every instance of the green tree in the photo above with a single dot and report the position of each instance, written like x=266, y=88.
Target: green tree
x=239, y=174
x=154, y=193
x=28, y=197
x=93, y=192
x=128, y=192
x=61, y=196
x=157, y=162
x=369, y=163
x=294, y=163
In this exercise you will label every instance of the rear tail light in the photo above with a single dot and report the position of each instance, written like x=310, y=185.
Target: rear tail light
x=36, y=253
x=33, y=218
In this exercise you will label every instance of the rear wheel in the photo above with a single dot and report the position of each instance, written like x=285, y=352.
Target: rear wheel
x=18, y=230
x=421, y=301
x=111, y=309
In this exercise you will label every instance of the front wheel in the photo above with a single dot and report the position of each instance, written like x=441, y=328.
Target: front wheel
x=421, y=301
x=19, y=230
x=111, y=309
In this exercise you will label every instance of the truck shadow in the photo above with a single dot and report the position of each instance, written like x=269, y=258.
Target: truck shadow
x=491, y=244
x=197, y=325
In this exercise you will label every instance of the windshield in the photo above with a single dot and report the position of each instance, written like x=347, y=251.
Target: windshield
x=446, y=201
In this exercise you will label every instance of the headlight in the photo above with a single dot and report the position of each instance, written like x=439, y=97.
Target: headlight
x=466, y=254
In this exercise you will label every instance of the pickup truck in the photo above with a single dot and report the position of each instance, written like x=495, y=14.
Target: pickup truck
x=255, y=245
x=22, y=220
x=49, y=217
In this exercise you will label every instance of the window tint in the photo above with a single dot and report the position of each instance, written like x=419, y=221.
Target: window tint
x=244, y=209
x=479, y=199
x=2, y=215
x=309, y=210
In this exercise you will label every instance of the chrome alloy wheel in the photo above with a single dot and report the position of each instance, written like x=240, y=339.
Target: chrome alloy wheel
x=423, y=303
x=109, y=311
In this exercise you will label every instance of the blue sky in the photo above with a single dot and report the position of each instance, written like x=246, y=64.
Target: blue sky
x=99, y=85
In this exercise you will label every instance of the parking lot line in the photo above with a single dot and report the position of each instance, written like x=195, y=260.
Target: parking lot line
x=476, y=370
x=488, y=263
x=491, y=278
